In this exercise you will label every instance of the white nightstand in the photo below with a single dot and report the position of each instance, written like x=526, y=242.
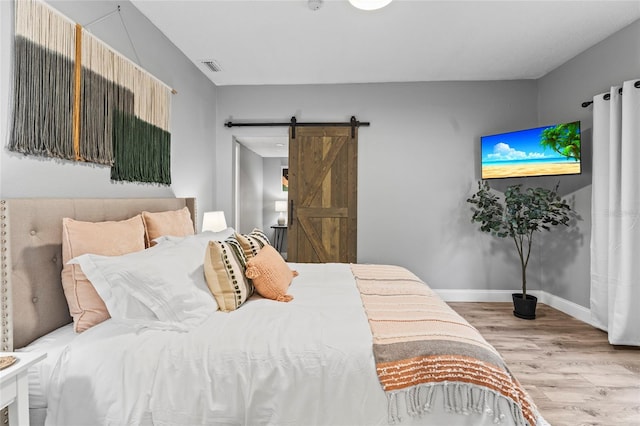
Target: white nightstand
x=14, y=386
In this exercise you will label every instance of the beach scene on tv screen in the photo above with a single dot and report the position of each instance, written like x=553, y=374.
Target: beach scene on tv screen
x=542, y=151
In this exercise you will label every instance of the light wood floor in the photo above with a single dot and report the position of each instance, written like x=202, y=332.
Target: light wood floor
x=570, y=370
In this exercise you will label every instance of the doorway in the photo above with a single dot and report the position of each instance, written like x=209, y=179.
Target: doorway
x=258, y=164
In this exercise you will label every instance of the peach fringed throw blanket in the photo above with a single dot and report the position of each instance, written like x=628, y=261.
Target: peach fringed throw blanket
x=421, y=347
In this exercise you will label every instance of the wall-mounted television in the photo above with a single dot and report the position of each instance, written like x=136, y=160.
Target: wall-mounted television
x=541, y=151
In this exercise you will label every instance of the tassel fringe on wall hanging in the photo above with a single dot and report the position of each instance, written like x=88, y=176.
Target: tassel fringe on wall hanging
x=77, y=99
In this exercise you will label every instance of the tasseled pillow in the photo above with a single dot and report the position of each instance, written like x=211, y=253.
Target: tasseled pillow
x=270, y=274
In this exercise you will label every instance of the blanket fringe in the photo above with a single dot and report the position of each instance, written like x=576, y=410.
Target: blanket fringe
x=457, y=397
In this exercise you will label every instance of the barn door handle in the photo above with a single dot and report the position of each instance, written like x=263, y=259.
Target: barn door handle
x=290, y=212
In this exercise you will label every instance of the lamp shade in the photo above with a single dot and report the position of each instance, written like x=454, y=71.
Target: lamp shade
x=369, y=4
x=214, y=221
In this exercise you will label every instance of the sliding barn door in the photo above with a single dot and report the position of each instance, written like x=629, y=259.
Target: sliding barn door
x=323, y=191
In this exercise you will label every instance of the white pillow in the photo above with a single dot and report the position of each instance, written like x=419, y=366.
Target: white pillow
x=167, y=278
x=209, y=235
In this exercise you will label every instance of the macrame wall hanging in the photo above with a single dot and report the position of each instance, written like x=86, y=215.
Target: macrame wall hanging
x=77, y=99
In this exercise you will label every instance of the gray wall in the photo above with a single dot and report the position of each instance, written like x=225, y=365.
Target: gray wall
x=250, y=189
x=417, y=164
x=566, y=267
x=192, y=129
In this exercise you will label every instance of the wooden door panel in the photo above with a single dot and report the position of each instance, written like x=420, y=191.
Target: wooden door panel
x=323, y=234
x=320, y=183
x=323, y=189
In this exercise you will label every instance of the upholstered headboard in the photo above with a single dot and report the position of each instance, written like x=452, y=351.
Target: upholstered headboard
x=31, y=295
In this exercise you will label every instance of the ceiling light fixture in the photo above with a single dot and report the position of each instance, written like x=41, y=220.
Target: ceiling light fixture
x=369, y=4
x=315, y=4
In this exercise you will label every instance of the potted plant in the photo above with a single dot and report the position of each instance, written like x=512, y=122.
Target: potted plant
x=518, y=216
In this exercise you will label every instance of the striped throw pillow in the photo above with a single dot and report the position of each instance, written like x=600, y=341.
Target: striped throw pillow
x=224, y=267
x=252, y=243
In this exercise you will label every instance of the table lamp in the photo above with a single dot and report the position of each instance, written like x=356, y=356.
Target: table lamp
x=214, y=221
x=281, y=207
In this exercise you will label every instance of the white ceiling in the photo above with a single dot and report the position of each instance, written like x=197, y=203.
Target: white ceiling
x=285, y=42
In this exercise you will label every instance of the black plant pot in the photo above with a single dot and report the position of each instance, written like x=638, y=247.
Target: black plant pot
x=524, y=308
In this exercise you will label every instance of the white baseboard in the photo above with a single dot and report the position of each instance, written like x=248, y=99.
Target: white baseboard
x=566, y=306
x=570, y=308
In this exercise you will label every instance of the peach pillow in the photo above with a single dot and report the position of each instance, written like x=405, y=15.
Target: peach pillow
x=104, y=238
x=176, y=223
x=270, y=274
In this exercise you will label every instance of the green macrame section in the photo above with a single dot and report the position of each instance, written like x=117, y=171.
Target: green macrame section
x=43, y=102
x=100, y=99
x=141, y=151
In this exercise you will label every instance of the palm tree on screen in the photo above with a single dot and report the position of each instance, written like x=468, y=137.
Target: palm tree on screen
x=563, y=139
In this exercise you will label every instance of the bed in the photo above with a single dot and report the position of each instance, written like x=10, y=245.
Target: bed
x=352, y=345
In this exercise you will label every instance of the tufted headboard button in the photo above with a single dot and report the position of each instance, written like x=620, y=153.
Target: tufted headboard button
x=34, y=300
x=33, y=232
x=54, y=259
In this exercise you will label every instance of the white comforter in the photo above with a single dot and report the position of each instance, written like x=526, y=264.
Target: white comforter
x=305, y=362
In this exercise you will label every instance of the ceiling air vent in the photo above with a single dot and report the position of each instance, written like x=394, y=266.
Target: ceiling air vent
x=212, y=65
